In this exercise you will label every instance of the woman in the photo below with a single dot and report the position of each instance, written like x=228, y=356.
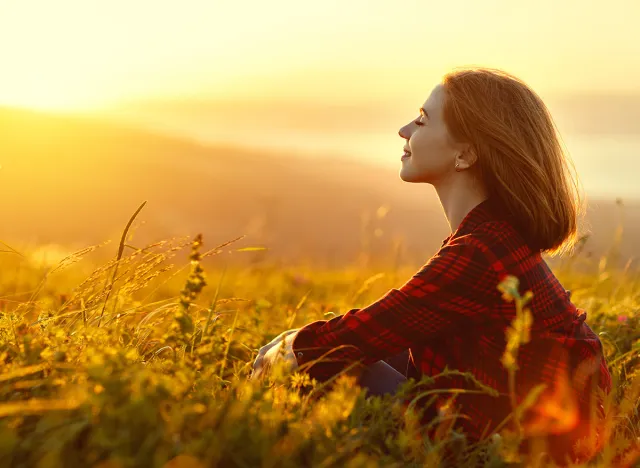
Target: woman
x=488, y=145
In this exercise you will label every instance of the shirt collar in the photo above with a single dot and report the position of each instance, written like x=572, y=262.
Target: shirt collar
x=486, y=210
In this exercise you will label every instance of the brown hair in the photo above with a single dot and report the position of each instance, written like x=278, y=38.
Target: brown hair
x=520, y=159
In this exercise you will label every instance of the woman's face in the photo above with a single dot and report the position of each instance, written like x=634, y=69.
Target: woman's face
x=433, y=153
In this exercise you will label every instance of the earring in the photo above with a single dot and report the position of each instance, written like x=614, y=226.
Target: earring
x=457, y=166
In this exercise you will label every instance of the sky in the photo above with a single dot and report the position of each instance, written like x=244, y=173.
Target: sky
x=330, y=77
x=88, y=54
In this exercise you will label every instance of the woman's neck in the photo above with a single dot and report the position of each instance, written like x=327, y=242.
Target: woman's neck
x=458, y=196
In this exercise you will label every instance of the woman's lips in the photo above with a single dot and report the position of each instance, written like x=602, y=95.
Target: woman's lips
x=405, y=156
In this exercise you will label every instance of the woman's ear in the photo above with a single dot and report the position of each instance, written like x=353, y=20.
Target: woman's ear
x=467, y=157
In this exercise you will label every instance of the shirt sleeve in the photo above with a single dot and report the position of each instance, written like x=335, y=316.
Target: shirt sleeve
x=449, y=292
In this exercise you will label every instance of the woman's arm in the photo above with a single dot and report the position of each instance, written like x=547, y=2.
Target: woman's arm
x=450, y=292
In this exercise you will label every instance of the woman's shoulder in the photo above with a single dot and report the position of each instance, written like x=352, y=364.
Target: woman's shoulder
x=488, y=229
x=497, y=238
x=498, y=230
x=488, y=232
x=487, y=224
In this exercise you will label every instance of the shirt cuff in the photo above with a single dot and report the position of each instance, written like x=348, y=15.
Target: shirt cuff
x=330, y=360
x=301, y=345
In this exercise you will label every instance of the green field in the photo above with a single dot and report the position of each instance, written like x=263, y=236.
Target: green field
x=144, y=360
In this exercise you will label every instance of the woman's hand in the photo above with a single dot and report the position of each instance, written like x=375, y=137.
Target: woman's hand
x=271, y=352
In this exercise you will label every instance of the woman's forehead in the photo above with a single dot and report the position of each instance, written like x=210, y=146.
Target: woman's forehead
x=434, y=102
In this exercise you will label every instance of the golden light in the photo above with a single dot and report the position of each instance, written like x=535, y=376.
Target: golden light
x=72, y=54
x=51, y=96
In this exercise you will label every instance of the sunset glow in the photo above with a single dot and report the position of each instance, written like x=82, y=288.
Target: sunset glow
x=73, y=54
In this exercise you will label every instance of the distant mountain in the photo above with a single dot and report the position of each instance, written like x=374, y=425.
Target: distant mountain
x=77, y=180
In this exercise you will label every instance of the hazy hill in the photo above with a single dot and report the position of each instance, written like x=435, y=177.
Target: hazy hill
x=78, y=180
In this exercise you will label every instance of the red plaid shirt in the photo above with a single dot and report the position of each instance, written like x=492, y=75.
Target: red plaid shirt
x=450, y=313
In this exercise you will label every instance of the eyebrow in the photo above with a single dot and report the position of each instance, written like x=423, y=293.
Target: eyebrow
x=424, y=112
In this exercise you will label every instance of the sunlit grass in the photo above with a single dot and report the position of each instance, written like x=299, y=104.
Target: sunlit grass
x=149, y=363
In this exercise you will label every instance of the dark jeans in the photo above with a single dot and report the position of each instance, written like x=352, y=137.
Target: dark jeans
x=385, y=376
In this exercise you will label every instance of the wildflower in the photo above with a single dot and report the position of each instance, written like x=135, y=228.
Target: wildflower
x=196, y=280
x=519, y=331
x=517, y=334
x=300, y=380
x=509, y=288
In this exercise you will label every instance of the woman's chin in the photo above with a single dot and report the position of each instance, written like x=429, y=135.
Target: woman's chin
x=406, y=176
x=406, y=173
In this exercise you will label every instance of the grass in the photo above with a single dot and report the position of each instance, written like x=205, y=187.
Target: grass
x=110, y=366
